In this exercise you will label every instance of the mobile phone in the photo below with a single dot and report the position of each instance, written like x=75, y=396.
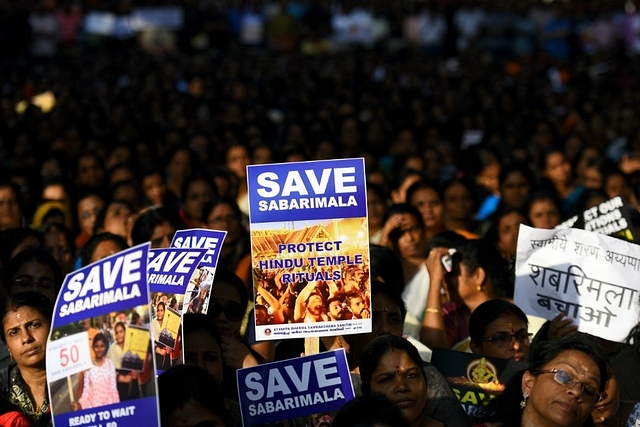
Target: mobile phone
x=446, y=260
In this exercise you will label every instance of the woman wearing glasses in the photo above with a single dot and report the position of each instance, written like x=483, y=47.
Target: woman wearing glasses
x=34, y=269
x=229, y=301
x=224, y=214
x=498, y=328
x=561, y=387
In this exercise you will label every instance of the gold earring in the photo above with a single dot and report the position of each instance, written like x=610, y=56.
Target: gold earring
x=479, y=288
x=11, y=356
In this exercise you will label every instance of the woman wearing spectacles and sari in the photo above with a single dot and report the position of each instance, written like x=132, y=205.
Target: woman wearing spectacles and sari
x=560, y=388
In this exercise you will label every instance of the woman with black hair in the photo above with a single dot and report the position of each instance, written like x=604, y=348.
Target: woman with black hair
x=26, y=319
x=227, y=307
x=478, y=274
x=391, y=366
x=427, y=198
x=560, y=388
x=99, y=385
x=59, y=243
x=404, y=233
x=155, y=225
x=127, y=381
x=223, y=214
x=498, y=328
x=558, y=177
x=460, y=208
x=388, y=313
x=33, y=269
x=197, y=190
x=115, y=216
x=100, y=246
x=163, y=353
x=543, y=210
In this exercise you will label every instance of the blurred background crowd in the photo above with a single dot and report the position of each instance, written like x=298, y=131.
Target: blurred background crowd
x=123, y=121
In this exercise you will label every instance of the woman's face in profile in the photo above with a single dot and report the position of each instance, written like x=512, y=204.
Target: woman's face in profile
x=399, y=378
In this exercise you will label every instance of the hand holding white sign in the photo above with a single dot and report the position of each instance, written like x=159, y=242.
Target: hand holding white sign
x=68, y=356
x=591, y=278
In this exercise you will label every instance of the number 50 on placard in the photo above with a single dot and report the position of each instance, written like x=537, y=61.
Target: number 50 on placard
x=68, y=356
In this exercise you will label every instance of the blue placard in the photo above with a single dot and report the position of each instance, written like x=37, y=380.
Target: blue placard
x=294, y=388
x=112, y=284
x=136, y=413
x=475, y=379
x=86, y=392
x=170, y=269
x=201, y=238
x=307, y=190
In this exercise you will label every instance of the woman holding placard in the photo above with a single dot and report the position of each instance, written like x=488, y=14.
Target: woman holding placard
x=99, y=385
x=26, y=319
x=128, y=386
x=163, y=353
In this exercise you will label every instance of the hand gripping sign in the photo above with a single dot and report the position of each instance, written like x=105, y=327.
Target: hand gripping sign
x=310, y=248
x=199, y=287
x=590, y=277
x=103, y=305
x=170, y=271
x=294, y=388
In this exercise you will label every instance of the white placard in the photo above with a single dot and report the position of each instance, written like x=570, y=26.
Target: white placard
x=591, y=277
x=68, y=356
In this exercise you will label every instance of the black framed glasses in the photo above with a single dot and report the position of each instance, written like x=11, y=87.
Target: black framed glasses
x=233, y=310
x=503, y=339
x=28, y=282
x=566, y=379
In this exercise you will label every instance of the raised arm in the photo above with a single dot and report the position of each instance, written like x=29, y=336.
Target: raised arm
x=433, y=332
x=269, y=298
x=301, y=301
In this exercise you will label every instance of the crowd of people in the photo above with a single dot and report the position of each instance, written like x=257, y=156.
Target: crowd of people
x=473, y=117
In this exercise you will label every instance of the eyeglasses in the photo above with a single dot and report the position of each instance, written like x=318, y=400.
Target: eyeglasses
x=228, y=219
x=569, y=381
x=232, y=310
x=503, y=339
x=29, y=283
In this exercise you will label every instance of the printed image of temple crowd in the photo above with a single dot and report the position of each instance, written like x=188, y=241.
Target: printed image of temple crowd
x=335, y=276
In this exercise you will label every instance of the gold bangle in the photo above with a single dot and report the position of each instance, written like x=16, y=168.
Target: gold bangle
x=432, y=310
